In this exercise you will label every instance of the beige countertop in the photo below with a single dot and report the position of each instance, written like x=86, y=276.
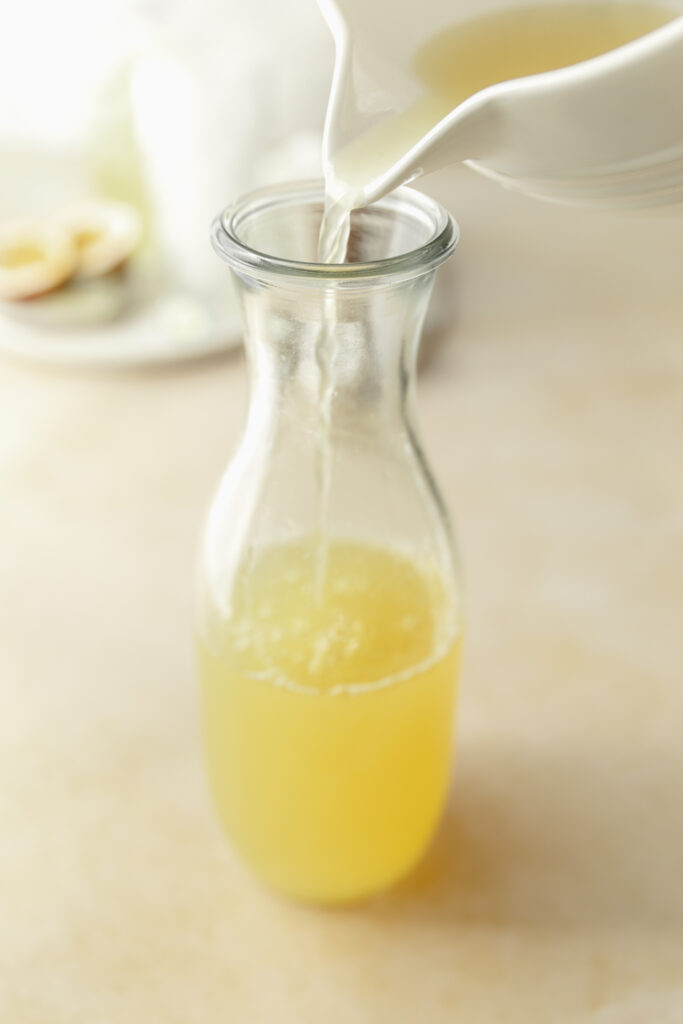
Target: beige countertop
x=552, y=409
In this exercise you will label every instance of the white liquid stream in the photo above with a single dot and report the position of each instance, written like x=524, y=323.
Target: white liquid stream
x=332, y=244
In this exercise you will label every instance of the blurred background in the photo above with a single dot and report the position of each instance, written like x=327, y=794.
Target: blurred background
x=171, y=110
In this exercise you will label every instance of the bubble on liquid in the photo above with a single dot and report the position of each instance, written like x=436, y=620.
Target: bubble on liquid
x=321, y=646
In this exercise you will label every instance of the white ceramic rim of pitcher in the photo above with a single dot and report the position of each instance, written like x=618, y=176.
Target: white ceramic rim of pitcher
x=226, y=240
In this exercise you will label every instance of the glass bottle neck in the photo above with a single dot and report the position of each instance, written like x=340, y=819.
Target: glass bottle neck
x=345, y=357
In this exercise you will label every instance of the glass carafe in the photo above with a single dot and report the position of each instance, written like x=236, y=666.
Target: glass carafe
x=328, y=615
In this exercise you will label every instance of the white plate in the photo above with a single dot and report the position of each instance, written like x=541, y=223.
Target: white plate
x=67, y=328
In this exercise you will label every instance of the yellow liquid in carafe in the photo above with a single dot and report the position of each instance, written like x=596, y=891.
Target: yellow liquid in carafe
x=492, y=48
x=328, y=717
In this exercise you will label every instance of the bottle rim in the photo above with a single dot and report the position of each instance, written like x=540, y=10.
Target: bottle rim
x=442, y=234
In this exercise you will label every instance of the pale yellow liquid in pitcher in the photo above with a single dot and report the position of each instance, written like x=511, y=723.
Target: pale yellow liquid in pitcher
x=494, y=47
x=328, y=717
x=521, y=41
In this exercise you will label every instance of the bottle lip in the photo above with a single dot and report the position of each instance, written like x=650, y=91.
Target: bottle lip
x=227, y=241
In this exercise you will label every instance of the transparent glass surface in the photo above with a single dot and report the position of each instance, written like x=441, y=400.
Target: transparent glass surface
x=328, y=614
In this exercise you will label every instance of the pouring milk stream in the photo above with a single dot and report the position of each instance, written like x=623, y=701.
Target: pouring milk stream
x=570, y=101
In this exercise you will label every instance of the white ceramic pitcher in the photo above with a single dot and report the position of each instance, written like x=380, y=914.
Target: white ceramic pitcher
x=607, y=131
